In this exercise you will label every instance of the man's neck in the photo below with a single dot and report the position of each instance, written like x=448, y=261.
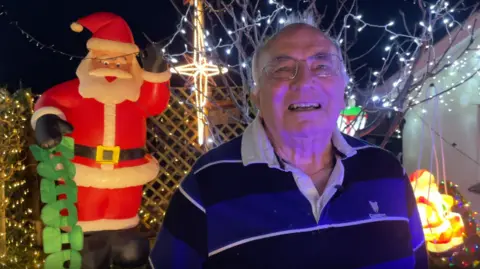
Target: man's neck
x=311, y=155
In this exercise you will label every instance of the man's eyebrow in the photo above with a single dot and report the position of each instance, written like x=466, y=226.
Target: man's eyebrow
x=283, y=57
x=315, y=55
x=321, y=54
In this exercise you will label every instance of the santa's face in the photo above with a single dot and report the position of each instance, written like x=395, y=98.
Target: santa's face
x=110, y=77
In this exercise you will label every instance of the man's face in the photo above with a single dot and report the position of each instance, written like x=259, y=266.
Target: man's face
x=307, y=105
x=110, y=77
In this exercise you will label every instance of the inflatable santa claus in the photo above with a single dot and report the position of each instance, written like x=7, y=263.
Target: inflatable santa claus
x=105, y=110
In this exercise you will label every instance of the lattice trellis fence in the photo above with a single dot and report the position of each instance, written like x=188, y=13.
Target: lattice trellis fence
x=172, y=139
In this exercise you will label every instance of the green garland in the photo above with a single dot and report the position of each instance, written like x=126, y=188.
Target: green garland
x=55, y=165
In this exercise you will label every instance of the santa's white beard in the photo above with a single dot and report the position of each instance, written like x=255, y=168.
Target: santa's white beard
x=114, y=92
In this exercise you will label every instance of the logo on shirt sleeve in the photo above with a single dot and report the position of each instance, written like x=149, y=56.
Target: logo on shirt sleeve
x=376, y=210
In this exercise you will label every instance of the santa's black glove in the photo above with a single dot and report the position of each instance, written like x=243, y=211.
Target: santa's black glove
x=152, y=59
x=50, y=129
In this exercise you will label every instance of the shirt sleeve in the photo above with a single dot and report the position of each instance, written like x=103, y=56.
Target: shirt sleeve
x=416, y=229
x=182, y=240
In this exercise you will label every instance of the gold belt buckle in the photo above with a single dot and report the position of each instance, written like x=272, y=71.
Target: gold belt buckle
x=107, y=155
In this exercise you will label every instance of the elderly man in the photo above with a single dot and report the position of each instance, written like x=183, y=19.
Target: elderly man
x=292, y=191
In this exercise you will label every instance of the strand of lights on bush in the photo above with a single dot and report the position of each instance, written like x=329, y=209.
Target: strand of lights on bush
x=21, y=234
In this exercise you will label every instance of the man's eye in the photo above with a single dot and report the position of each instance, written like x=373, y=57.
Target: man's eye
x=118, y=65
x=322, y=67
x=105, y=63
x=283, y=69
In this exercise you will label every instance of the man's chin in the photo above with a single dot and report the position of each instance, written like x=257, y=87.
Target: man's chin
x=308, y=129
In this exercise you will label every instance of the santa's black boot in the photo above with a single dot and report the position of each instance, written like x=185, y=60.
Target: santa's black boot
x=129, y=248
x=96, y=252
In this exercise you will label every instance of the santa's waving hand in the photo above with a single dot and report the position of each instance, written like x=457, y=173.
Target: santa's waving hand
x=105, y=110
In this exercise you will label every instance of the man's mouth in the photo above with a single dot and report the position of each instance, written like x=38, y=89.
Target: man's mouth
x=110, y=78
x=304, y=106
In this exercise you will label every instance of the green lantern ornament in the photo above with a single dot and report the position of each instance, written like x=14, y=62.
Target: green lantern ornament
x=352, y=119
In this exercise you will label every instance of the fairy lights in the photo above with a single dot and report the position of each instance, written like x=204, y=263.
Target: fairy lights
x=17, y=231
x=200, y=70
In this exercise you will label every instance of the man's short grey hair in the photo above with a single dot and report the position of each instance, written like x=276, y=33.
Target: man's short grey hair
x=296, y=18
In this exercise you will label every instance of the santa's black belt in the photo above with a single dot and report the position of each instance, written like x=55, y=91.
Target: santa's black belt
x=109, y=155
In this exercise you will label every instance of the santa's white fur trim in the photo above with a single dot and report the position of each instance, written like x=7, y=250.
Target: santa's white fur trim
x=44, y=111
x=109, y=119
x=157, y=77
x=108, y=224
x=118, y=178
x=111, y=46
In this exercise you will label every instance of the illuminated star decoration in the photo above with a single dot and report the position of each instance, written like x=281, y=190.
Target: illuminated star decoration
x=190, y=81
x=199, y=69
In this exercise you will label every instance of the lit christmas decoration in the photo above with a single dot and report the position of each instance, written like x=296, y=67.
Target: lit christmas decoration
x=199, y=69
x=18, y=237
x=352, y=119
x=450, y=226
x=443, y=228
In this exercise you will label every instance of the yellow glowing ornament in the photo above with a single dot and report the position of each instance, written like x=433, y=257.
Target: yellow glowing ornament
x=443, y=229
x=199, y=69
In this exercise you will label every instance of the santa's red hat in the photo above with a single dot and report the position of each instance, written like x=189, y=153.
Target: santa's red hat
x=110, y=33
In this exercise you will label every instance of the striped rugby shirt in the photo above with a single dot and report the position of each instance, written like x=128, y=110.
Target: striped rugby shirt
x=242, y=207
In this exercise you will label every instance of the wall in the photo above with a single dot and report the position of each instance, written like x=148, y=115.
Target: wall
x=459, y=115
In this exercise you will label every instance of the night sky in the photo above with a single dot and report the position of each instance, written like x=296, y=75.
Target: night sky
x=49, y=22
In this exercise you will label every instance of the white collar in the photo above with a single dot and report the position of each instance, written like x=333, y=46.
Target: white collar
x=257, y=148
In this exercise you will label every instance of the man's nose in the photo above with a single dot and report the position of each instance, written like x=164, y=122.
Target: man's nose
x=303, y=78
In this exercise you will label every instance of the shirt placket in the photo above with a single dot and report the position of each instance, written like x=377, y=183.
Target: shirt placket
x=307, y=188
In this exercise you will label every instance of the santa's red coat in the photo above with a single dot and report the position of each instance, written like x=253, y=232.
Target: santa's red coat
x=109, y=196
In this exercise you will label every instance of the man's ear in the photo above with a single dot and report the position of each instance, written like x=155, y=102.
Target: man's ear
x=255, y=97
x=344, y=103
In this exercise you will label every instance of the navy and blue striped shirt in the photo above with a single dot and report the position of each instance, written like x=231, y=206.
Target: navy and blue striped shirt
x=240, y=207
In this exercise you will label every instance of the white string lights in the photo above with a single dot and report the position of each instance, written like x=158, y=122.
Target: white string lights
x=405, y=49
x=462, y=74
x=225, y=50
x=199, y=68
x=447, y=104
